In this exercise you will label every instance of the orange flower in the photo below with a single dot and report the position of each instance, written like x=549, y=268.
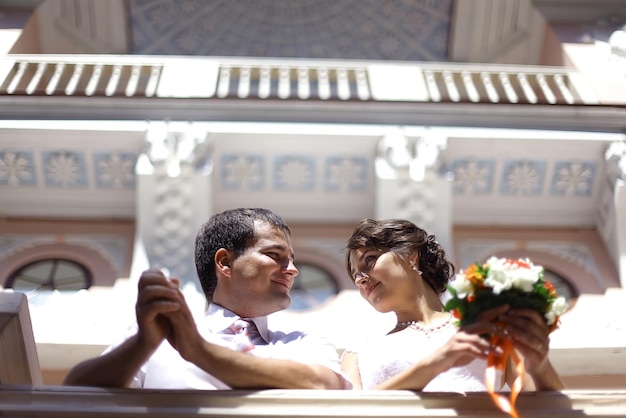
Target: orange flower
x=474, y=275
x=519, y=263
x=549, y=286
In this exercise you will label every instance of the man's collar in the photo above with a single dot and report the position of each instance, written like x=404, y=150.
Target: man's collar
x=221, y=318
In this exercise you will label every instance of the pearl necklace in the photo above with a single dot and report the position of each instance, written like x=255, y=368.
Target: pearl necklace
x=426, y=330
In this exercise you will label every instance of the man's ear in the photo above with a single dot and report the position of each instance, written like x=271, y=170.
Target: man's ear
x=223, y=260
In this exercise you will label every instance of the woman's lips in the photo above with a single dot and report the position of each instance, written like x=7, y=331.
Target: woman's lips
x=371, y=288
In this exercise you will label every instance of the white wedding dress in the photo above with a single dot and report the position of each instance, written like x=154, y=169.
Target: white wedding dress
x=385, y=356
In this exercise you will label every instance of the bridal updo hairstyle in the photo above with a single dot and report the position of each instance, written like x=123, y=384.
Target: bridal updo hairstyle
x=403, y=238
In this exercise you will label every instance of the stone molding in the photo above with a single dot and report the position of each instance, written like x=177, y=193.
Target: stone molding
x=55, y=401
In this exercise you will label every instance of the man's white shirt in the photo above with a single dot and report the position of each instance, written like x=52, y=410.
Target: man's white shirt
x=166, y=369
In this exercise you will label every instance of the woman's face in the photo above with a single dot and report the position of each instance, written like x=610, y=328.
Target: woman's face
x=384, y=278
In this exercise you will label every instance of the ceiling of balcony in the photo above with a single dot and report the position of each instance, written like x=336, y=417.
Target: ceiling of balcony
x=496, y=31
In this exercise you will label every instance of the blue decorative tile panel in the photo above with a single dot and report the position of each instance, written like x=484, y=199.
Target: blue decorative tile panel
x=472, y=176
x=573, y=178
x=294, y=173
x=17, y=168
x=346, y=174
x=414, y=30
x=64, y=169
x=115, y=170
x=523, y=177
x=242, y=172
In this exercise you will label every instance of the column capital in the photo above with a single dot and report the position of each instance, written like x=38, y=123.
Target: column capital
x=615, y=157
x=174, y=150
x=404, y=157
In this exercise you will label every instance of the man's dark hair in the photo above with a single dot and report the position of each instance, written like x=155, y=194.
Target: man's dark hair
x=233, y=230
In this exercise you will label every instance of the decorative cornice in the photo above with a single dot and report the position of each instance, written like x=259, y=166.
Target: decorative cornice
x=579, y=10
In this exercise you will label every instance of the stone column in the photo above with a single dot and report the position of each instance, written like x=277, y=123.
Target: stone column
x=611, y=219
x=173, y=199
x=410, y=186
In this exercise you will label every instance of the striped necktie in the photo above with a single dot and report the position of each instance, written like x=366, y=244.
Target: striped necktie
x=246, y=335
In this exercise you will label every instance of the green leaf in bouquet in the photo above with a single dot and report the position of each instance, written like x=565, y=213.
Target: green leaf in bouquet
x=484, y=299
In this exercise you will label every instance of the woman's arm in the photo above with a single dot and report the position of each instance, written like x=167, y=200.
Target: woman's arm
x=350, y=367
x=462, y=348
x=530, y=336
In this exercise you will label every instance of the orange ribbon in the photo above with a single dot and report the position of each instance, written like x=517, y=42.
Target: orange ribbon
x=498, y=362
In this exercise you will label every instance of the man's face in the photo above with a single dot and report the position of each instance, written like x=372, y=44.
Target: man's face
x=262, y=276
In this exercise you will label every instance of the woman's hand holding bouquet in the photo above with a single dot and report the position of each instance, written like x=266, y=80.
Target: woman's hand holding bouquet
x=533, y=312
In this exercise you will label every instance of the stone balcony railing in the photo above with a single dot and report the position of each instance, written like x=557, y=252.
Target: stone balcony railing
x=69, y=402
x=22, y=393
x=256, y=89
x=246, y=78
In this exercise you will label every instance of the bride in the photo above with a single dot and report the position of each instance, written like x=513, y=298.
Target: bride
x=399, y=268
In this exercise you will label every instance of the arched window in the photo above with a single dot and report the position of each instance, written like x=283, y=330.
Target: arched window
x=50, y=274
x=561, y=285
x=313, y=287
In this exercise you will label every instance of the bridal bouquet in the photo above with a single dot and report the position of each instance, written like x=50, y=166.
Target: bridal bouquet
x=499, y=281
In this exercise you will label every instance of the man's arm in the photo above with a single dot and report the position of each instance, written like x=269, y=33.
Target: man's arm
x=240, y=370
x=156, y=296
x=113, y=369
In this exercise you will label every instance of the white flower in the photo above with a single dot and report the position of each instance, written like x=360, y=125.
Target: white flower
x=497, y=278
x=558, y=308
x=504, y=274
x=462, y=286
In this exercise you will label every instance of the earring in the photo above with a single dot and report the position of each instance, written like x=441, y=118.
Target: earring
x=415, y=269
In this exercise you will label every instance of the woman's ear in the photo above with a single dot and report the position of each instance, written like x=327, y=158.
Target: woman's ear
x=414, y=259
x=223, y=260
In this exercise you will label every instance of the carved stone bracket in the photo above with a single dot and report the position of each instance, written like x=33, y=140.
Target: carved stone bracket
x=615, y=157
x=612, y=213
x=172, y=151
x=173, y=196
x=407, y=157
x=408, y=183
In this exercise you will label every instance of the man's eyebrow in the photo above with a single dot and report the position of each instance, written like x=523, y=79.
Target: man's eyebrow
x=281, y=248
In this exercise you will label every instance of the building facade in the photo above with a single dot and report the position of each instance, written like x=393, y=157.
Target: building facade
x=494, y=124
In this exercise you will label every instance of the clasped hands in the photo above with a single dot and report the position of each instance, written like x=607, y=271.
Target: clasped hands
x=162, y=313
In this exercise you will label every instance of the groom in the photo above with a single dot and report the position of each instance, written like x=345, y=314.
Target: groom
x=245, y=262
